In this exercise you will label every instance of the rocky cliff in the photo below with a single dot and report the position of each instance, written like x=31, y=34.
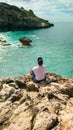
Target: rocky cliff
x=25, y=105
x=14, y=18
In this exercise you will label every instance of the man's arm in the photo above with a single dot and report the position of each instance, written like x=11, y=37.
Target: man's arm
x=31, y=71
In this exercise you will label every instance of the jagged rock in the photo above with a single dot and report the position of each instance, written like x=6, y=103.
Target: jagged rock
x=6, y=92
x=21, y=121
x=44, y=121
x=7, y=80
x=31, y=86
x=14, y=18
x=16, y=96
x=25, y=41
x=67, y=88
x=3, y=42
x=5, y=114
x=14, y=85
x=53, y=77
x=26, y=105
x=20, y=84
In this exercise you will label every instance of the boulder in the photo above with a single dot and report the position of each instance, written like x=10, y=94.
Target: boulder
x=25, y=41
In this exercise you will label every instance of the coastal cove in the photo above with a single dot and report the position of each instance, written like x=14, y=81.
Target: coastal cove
x=54, y=44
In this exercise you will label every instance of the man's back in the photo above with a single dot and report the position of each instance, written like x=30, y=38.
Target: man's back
x=39, y=72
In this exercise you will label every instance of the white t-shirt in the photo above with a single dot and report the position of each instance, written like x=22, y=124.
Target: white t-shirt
x=39, y=72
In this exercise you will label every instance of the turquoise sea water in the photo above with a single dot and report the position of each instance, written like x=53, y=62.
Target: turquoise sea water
x=54, y=44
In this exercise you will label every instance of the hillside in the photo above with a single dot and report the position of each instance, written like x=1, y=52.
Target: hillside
x=14, y=18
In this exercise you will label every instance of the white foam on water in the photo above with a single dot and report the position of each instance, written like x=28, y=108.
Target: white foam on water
x=37, y=38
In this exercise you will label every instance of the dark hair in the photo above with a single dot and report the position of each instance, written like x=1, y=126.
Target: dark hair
x=40, y=60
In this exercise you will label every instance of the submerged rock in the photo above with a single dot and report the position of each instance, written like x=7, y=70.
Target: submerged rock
x=26, y=105
x=14, y=18
x=3, y=42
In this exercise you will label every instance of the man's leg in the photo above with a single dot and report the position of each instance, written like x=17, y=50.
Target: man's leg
x=33, y=75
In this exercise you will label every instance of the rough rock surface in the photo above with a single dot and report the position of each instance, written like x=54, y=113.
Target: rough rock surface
x=26, y=105
x=14, y=18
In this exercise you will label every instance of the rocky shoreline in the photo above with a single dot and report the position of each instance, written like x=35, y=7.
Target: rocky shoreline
x=13, y=18
x=26, y=105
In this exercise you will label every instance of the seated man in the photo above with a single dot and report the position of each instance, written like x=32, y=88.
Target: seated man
x=38, y=72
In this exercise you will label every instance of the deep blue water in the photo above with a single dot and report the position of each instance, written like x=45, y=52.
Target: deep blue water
x=54, y=44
